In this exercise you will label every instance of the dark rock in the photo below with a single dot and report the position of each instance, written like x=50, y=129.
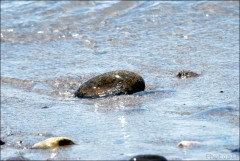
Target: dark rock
x=148, y=157
x=10, y=134
x=18, y=158
x=1, y=142
x=235, y=150
x=111, y=83
x=186, y=74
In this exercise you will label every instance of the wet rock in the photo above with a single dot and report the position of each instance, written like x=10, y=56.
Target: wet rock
x=235, y=150
x=148, y=157
x=186, y=74
x=18, y=158
x=1, y=142
x=53, y=142
x=45, y=107
x=183, y=144
x=111, y=83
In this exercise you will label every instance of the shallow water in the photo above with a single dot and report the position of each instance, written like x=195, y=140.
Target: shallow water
x=48, y=49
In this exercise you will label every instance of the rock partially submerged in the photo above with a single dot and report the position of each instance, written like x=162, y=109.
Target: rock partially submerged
x=235, y=150
x=18, y=158
x=111, y=83
x=186, y=143
x=148, y=157
x=53, y=142
x=187, y=74
x=2, y=142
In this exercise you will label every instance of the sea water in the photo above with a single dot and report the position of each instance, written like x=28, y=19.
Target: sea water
x=49, y=48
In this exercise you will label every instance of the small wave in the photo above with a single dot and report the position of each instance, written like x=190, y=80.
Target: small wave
x=213, y=7
x=61, y=87
x=218, y=111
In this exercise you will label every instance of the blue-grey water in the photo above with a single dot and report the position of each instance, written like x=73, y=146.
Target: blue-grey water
x=49, y=48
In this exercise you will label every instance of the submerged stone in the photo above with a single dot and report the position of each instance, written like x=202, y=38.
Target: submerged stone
x=186, y=74
x=111, y=83
x=186, y=143
x=1, y=142
x=53, y=142
x=18, y=158
x=235, y=150
x=148, y=157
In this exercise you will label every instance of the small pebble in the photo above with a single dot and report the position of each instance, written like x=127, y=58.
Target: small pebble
x=186, y=74
x=187, y=143
x=19, y=142
x=53, y=142
x=148, y=157
x=10, y=134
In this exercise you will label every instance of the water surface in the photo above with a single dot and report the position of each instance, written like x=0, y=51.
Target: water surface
x=49, y=48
